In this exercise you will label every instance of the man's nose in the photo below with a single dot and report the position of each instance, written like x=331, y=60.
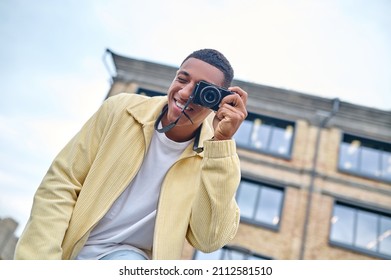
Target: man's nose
x=186, y=92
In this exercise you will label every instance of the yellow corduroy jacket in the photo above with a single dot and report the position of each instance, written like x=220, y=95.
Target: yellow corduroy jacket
x=197, y=199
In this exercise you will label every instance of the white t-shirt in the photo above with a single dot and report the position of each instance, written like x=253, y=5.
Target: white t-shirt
x=129, y=224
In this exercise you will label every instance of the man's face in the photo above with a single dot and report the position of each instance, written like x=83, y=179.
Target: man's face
x=190, y=73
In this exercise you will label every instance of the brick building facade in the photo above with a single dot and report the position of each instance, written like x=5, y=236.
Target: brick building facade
x=8, y=239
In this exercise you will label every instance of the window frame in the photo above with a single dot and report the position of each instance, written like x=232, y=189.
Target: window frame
x=233, y=248
x=379, y=146
x=253, y=221
x=149, y=92
x=356, y=207
x=271, y=122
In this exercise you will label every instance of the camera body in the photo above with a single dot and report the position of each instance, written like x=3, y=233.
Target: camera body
x=209, y=95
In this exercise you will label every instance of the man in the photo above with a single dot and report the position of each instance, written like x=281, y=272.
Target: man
x=144, y=174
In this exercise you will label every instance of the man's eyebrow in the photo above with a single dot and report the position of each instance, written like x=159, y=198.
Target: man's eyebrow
x=183, y=72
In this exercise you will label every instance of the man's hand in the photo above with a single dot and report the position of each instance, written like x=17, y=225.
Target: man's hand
x=231, y=114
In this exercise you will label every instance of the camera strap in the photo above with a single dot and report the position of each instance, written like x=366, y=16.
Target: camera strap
x=171, y=125
x=166, y=128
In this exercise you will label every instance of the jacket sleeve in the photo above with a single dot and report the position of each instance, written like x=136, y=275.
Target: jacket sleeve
x=56, y=196
x=215, y=215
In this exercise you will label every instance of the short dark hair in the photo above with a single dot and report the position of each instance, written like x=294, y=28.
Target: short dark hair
x=216, y=59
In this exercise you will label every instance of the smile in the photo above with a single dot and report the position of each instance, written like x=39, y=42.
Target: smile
x=181, y=106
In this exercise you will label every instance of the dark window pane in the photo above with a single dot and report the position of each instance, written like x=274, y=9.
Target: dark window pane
x=148, y=92
x=266, y=134
x=233, y=255
x=242, y=136
x=260, y=135
x=269, y=207
x=366, y=157
x=342, y=224
x=386, y=165
x=247, y=197
x=348, y=158
x=226, y=253
x=366, y=230
x=370, y=230
x=384, y=238
x=370, y=159
x=254, y=258
x=260, y=204
x=281, y=139
x=216, y=255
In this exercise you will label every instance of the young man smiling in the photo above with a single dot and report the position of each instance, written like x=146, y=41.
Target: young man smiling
x=190, y=73
x=144, y=174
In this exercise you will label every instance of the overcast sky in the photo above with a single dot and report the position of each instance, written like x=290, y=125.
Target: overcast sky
x=53, y=76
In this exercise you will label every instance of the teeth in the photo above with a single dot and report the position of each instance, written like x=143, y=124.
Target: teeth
x=180, y=105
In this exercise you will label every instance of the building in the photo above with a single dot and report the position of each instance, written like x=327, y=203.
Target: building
x=8, y=239
x=316, y=172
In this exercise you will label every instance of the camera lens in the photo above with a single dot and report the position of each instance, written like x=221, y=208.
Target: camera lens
x=210, y=96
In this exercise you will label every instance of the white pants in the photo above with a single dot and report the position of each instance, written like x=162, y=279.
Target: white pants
x=124, y=255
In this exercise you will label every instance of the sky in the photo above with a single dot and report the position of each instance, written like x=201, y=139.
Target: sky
x=53, y=74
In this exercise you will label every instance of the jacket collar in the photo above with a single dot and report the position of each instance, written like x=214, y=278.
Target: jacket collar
x=147, y=109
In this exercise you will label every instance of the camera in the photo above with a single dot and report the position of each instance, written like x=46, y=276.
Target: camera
x=209, y=95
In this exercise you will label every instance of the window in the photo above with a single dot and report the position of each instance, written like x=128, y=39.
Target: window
x=265, y=134
x=149, y=92
x=229, y=253
x=365, y=157
x=361, y=229
x=260, y=204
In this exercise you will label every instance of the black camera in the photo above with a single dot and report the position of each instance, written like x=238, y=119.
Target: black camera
x=208, y=95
